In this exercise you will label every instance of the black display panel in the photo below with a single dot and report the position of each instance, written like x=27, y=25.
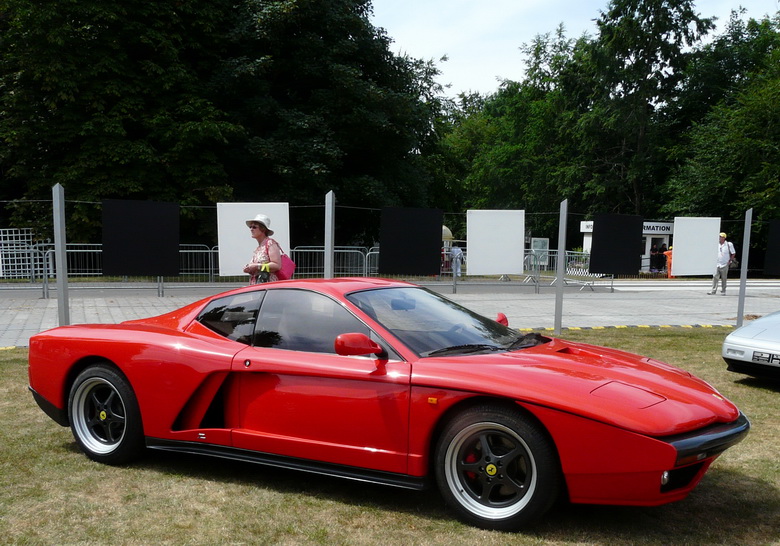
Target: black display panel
x=140, y=238
x=616, y=248
x=772, y=256
x=410, y=241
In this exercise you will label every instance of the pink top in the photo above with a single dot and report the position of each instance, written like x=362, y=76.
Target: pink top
x=261, y=256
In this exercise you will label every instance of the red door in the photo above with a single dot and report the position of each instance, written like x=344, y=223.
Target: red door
x=297, y=398
x=345, y=410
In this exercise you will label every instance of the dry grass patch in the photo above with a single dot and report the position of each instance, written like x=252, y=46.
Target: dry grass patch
x=53, y=494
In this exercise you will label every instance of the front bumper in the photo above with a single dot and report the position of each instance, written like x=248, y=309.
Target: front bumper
x=708, y=442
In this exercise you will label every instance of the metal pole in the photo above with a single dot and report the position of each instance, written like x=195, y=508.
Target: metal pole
x=455, y=268
x=212, y=267
x=561, y=266
x=537, y=270
x=330, y=234
x=60, y=251
x=46, y=271
x=744, y=266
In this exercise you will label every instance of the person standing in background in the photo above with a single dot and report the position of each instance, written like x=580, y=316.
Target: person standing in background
x=667, y=254
x=726, y=253
x=457, y=259
x=267, y=257
x=654, y=259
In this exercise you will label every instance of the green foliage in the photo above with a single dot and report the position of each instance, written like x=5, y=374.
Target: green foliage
x=325, y=106
x=641, y=46
x=204, y=101
x=640, y=119
x=638, y=58
x=719, y=69
x=108, y=100
x=709, y=166
x=284, y=100
x=735, y=158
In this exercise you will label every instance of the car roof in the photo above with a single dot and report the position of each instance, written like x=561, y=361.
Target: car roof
x=179, y=318
x=337, y=287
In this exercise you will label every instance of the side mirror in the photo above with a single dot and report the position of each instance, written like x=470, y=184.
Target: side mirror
x=356, y=345
x=501, y=319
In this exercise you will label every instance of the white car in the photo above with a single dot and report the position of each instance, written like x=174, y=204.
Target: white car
x=754, y=349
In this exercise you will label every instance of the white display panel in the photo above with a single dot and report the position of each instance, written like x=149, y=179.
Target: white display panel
x=695, y=246
x=234, y=238
x=495, y=242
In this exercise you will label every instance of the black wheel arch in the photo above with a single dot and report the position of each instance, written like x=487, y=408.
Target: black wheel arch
x=480, y=400
x=117, y=436
x=78, y=367
x=470, y=412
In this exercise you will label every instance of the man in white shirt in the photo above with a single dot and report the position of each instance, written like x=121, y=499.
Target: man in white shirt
x=726, y=253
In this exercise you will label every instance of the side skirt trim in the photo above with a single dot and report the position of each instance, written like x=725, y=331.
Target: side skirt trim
x=268, y=459
x=59, y=416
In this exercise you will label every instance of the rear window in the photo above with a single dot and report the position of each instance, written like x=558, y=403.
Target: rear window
x=234, y=316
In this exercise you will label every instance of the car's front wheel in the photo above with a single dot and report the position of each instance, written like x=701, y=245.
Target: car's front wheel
x=104, y=415
x=496, y=468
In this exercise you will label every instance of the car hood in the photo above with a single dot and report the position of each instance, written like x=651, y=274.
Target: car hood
x=765, y=329
x=619, y=388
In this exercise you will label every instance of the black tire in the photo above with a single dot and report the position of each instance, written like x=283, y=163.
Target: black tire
x=104, y=416
x=497, y=469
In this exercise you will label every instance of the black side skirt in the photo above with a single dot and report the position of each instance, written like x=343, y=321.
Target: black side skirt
x=328, y=469
x=58, y=415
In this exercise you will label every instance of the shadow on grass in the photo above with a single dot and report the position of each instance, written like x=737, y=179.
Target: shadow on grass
x=287, y=481
x=728, y=507
x=768, y=384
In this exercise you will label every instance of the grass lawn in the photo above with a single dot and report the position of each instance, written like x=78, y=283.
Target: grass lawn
x=53, y=494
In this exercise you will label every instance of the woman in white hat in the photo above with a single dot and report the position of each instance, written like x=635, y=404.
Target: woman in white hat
x=268, y=251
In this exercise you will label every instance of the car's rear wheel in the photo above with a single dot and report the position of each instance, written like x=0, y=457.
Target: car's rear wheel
x=104, y=415
x=496, y=468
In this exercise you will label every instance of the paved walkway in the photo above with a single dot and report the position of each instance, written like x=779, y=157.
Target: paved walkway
x=24, y=312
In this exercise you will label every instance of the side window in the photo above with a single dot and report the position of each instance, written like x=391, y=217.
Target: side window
x=299, y=320
x=233, y=316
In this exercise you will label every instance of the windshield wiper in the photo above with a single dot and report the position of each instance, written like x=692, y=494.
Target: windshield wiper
x=463, y=349
x=528, y=340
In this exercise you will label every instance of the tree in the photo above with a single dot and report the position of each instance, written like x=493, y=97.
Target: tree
x=639, y=57
x=519, y=147
x=108, y=99
x=208, y=100
x=717, y=73
x=326, y=106
x=583, y=124
x=735, y=155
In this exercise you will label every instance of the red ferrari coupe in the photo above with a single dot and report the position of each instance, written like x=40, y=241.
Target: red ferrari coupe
x=391, y=383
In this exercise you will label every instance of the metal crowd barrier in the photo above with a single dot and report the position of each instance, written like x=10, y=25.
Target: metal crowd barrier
x=200, y=264
x=347, y=261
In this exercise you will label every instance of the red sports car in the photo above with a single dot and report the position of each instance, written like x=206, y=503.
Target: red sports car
x=391, y=383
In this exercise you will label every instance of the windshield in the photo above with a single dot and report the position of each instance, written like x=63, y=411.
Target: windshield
x=431, y=325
